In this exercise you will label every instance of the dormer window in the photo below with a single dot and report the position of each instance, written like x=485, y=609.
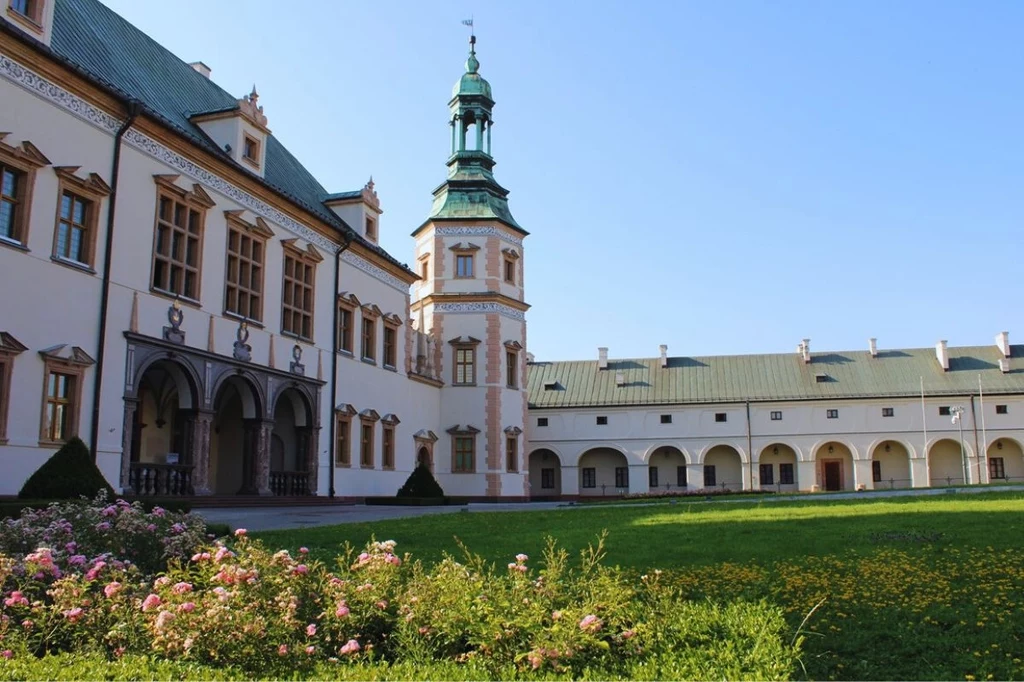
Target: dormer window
x=251, y=150
x=371, y=229
x=30, y=10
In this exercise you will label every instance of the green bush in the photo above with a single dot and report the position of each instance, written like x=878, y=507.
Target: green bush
x=69, y=474
x=421, y=483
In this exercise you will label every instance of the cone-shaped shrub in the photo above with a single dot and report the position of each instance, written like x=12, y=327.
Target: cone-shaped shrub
x=421, y=483
x=67, y=475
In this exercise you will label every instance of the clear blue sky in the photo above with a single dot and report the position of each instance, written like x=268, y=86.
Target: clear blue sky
x=723, y=177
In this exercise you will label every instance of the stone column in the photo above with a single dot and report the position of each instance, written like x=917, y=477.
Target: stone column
x=261, y=473
x=308, y=455
x=639, y=481
x=748, y=474
x=198, y=425
x=862, y=474
x=694, y=476
x=571, y=481
x=127, y=435
x=806, y=475
x=256, y=457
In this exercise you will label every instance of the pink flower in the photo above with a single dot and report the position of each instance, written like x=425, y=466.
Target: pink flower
x=382, y=604
x=535, y=658
x=628, y=634
x=393, y=560
x=310, y=649
x=222, y=552
x=7, y=653
x=201, y=556
x=301, y=569
x=159, y=512
x=350, y=647
x=163, y=619
x=151, y=527
x=590, y=623
x=103, y=525
x=282, y=650
x=187, y=607
x=239, y=533
x=181, y=588
x=521, y=558
x=16, y=599
x=151, y=602
x=71, y=546
x=364, y=557
x=424, y=629
x=161, y=581
x=556, y=615
x=77, y=560
x=109, y=511
x=303, y=550
x=74, y=614
x=111, y=589
x=342, y=610
x=311, y=629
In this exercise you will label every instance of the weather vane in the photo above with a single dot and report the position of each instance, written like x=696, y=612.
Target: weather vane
x=472, y=31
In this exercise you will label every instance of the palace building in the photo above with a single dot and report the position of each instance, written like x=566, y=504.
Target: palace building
x=182, y=294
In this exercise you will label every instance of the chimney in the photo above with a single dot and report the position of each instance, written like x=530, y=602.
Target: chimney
x=602, y=358
x=664, y=355
x=806, y=350
x=201, y=68
x=620, y=379
x=873, y=347
x=943, y=355
x=1004, y=365
x=1003, y=342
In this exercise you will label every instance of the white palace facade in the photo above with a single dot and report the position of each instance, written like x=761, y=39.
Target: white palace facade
x=181, y=293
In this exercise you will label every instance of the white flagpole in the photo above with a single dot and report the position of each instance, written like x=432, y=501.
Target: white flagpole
x=924, y=427
x=983, y=455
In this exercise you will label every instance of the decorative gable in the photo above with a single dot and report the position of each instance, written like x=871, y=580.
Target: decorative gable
x=241, y=131
x=69, y=355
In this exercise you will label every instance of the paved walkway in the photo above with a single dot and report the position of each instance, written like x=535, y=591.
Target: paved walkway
x=283, y=518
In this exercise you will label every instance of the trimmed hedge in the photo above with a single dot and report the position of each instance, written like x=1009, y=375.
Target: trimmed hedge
x=412, y=501
x=421, y=483
x=70, y=473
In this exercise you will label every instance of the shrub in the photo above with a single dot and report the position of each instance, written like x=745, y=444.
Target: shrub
x=421, y=483
x=68, y=474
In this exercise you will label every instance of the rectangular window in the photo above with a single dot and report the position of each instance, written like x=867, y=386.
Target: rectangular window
x=777, y=415
x=589, y=477
x=510, y=271
x=74, y=229
x=463, y=265
x=369, y=338
x=720, y=416
x=251, y=150
x=178, y=249
x=244, y=282
x=681, y=476
x=511, y=454
x=371, y=229
x=12, y=206
x=876, y=471
x=995, y=468
x=27, y=8
x=622, y=478
x=1001, y=409
x=388, y=447
x=463, y=454
x=366, y=446
x=465, y=366
x=297, y=297
x=547, y=479
x=888, y=412
x=709, y=475
x=832, y=414
x=390, y=349
x=602, y=421
x=342, y=446
x=425, y=269
x=944, y=411
x=346, y=317
x=666, y=419
x=542, y=421
x=60, y=409
x=652, y=477
x=511, y=368
x=786, y=474
x=767, y=474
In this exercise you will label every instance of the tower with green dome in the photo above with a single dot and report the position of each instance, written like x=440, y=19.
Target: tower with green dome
x=468, y=310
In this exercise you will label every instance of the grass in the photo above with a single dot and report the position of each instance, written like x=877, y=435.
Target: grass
x=913, y=588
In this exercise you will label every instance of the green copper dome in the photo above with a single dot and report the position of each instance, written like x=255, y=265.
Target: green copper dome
x=472, y=83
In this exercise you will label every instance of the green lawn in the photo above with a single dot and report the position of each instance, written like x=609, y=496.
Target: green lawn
x=913, y=588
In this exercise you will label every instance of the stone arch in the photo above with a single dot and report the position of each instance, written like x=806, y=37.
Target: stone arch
x=703, y=453
x=545, y=473
x=300, y=403
x=600, y=446
x=293, y=473
x=184, y=375
x=666, y=468
x=890, y=463
x=834, y=468
x=1011, y=452
x=723, y=466
x=553, y=449
x=782, y=462
x=249, y=389
x=665, y=444
x=239, y=431
x=946, y=461
x=603, y=470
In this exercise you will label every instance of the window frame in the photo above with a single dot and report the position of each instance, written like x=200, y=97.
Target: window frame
x=622, y=478
x=888, y=412
x=346, y=335
x=370, y=228
x=601, y=420
x=459, y=346
x=996, y=468
x=652, y=477
x=511, y=453
x=542, y=422
x=308, y=259
x=944, y=411
x=75, y=372
x=92, y=191
x=511, y=369
x=464, y=253
x=766, y=467
x=391, y=325
x=547, y=478
x=832, y=413
x=367, y=444
x=10, y=348
x=343, y=424
x=387, y=447
x=460, y=437
x=1002, y=409
x=666, y=419
x=258, y=233
x=709, y=474
x=32, y=19
x=776, y=415
x=876, y=471
x=197, y=200
x=248, y=140
x=370, y=315
x=721, y=417
x=786, y=473
x=24, y=160
x=588, y=477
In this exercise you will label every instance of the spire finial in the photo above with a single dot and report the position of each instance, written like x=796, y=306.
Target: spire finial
x=253, y=96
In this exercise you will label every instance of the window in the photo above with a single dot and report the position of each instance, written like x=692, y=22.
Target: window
x=465, y=366
x=547, y=479
x=178, y=247
x=366, y=445
x=652, y=477
x=298, y=297
x=622, y=477
x=720, y=416
x=60, y=409
x=17, y=175
x=243, y=289
x=346, y=318
x=75, y=229
x=425, y=269
x=464, y=446
x=28, y=9
x=464, y=265
x=888, y=412
x=709, y=475
x=821, y=378
x=369, y=344
x=589, y=477
x=786, y=473
x=1001, y=409
x=832, y=414
x=602, y=421
x=511, y=454
x=388, y=446
x=876, y=471
x=510, y=271
x=995, y=468
x=371, y=229
x=542, y=421
x=776, y=415
x=9, y=348
x=767, y=474
x=342, y=443
x=944, y=411
x=251, y=150
x=390, y=349
x=666, y=419
x=681, y=476
x=511, y=368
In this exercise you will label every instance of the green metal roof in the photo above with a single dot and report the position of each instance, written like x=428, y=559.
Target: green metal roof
x=122, y=58
x=783, y=376
x=472, y=83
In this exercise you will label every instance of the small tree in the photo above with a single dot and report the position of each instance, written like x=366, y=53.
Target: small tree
x=68, y=474
x=421, y=483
